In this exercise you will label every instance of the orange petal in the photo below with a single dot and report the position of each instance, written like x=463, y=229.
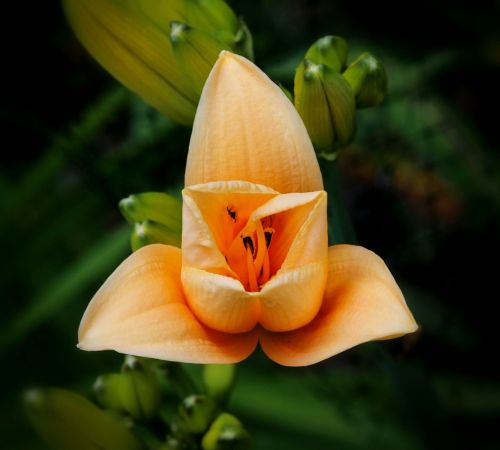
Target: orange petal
x=246, y=129
x=362, y=302
x=220, y=302
x=292, y=298
x=140, y=310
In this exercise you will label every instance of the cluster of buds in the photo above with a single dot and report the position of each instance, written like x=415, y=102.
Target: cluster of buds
x=162, y=50
x=133, y=411
x=327, y=92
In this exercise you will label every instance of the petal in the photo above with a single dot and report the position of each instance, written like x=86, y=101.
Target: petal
x=246, y=129
x=292, y=298
x=141, y=310
x=362, y=302
x=220, y=302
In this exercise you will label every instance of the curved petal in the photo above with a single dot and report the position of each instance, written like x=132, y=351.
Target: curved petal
x=293, y=297
x=141, y=310
x=288, y=301
x=245, y=128
x=362, y=302
x=220, y=302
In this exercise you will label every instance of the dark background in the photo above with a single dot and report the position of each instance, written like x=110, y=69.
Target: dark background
x=421, y=181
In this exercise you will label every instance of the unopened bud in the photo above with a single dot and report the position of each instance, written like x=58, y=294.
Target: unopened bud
x=141, y=393
x=146, y=233
x=195, y=51
x=325, y=102
x=197, y=411
x=212, y=16
x=226, y=433
x=368, y=80
x=219, y=380
x=330, y=51
x=66, y=420
x=108, y=391
x=158, y=207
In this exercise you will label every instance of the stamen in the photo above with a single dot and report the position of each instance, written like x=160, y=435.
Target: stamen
x=248, y=243
x=264, y=275
x=268, y=233
x=252, y=279
x=232, y=213
x=261, y=248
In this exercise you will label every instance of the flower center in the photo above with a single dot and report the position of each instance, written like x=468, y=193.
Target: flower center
x=248, y=254
x=257, y=256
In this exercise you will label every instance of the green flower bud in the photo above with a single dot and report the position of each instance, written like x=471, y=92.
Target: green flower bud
x=146, y=233
x=108, y=391
x=330, y=51
x=212, y=16
x=368, y=80
x=219, y=380
x=158, y=207
x=325, y=102
x=195, y=52
x=141, y=392
x=226, y=433
x=157, y=218
x=197, y=411
x=129, y=38
x=66, y=420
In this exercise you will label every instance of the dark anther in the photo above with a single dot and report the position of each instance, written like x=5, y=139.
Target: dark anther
x=232, y=213
x=248, y=243
x=268, y=235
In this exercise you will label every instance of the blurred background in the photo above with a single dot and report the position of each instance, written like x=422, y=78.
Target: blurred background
x=421, y=180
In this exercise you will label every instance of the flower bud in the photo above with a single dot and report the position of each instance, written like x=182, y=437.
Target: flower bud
x=195, y=52
x=108, y=391
x=158, y=207
x=66, y=420
x=226, y=433
x=212, y=16
x=130, y=40
x=330, y=51
x=157, y=218
x=148, y=232
x=325, y=102
x=197, y=411
x=140, y=390
x=219, y=380
x=368, y=80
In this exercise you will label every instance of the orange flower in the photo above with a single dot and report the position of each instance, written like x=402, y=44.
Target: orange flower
x=255, y=263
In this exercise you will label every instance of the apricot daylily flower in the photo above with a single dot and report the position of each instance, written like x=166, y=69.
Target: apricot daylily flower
x=255, y=264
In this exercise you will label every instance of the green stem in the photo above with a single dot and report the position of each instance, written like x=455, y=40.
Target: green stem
x=340, y=229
